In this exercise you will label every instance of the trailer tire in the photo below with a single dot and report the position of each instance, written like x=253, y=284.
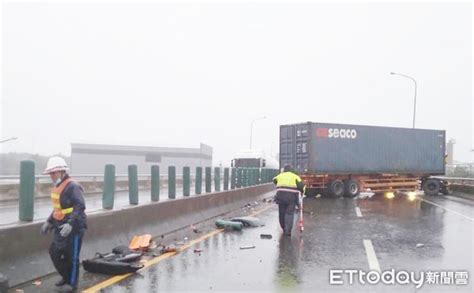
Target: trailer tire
x=445, y=188
x=336, y=188
x=431, y=186
x=351, y=189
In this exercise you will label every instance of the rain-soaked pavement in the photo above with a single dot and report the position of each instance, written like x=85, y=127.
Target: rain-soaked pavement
x=430, y=235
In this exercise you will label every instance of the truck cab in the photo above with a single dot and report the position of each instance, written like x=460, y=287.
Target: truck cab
x=253, y=159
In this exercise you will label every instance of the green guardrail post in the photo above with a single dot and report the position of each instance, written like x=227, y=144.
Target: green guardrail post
x=249, y=177
x=198, y=180
x=186, y=181
x=233, y=178
x=217, y=179
x=27, y=190
x=208, y=176
x=108, y=193
x=245, y=173
x=226, y=178
x=238, y=183
x=155, y=183
x=133, y=184
x=172, y=182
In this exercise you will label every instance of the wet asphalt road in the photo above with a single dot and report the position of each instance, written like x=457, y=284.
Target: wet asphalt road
x=333, y=239
x=336, y=236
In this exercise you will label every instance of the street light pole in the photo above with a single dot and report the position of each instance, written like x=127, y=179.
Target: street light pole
x=414, y=103
x=251, y=128
x=8, y=139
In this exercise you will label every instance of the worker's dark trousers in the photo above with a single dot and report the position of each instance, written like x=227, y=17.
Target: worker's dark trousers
x=287, y=202
x=64, y=252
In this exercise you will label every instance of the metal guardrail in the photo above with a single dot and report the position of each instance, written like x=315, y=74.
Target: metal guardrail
x=15, y=179
x=233, y=178
x=458, y=180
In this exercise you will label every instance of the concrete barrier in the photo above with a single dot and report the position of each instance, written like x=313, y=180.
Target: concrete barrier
x=24, y=252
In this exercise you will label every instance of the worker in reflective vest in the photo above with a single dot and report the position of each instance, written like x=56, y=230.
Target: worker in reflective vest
x=289, y=185
x=67, y=222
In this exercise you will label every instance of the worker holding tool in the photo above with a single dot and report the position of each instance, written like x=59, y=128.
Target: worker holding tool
x=289, y=186
x=68, y=222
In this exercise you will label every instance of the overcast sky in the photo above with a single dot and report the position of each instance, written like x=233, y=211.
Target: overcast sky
x=176, y=74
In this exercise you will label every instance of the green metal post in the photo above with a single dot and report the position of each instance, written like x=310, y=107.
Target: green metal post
x=186, y=181
x=217, y=179
x=27, y=190
x=172, y=182
x=233, y=178
x=245, y=182
x=250, y=177
x=133, y=184
x=155, y=183
x=226, y=178
x=208, y=176
x=108, y=193
x=198, y=183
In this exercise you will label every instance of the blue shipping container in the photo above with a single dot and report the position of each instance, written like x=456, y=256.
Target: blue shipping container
x=324, y=148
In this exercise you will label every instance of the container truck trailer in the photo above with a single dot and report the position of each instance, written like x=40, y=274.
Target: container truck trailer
x=343, y=160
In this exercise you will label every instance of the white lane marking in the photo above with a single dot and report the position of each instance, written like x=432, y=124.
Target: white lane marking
x=371, y=257
x=449, y=210
x=358, y=212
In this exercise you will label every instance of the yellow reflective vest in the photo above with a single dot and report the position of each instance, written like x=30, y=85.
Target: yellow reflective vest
x=287, y=180
x=58, y=212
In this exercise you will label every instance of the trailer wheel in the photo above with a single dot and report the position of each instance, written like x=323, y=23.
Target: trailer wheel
x=445, y=188
x=336, y=188
x=352, y=188
x=431, y=186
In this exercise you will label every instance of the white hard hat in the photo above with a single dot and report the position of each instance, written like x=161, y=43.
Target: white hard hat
x=55, y=164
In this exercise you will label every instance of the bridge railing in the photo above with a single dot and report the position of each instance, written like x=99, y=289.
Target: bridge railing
x=233, y=178
x=457, y=180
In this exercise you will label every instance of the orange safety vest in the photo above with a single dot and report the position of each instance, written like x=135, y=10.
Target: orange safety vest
x=58, y=212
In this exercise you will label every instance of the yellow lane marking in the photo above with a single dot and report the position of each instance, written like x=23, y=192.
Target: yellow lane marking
x=116, y=279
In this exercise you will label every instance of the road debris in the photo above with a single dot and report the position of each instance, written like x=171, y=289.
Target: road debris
x=419, y=245
x=229, y=225
x=197, y=250
x=248, y=221
x=195, y=229
x=167, y=249
x=37, y=283
x=247, y=247
x=266, y=236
